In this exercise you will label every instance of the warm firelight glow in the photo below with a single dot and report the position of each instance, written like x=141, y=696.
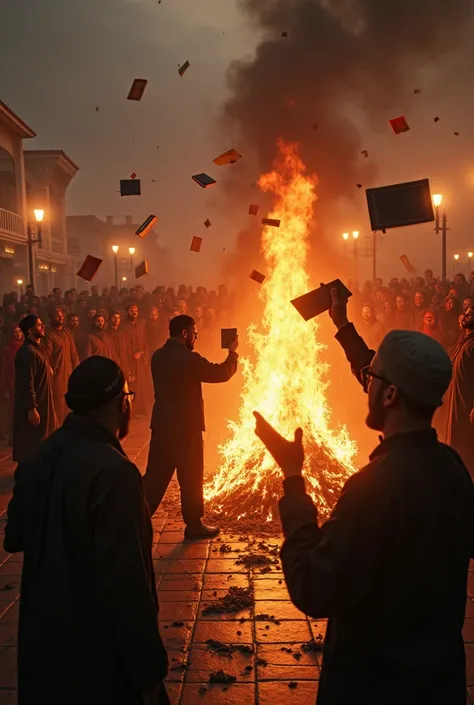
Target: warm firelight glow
x=288, y=381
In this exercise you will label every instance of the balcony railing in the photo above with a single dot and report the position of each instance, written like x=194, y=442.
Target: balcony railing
x=11, y=223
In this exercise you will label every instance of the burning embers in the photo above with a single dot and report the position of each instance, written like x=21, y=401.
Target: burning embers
x=287, y=382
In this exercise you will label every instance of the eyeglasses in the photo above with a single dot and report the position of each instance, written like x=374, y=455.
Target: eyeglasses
x=366, y=376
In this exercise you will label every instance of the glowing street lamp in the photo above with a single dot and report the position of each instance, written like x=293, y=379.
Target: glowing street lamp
x=115, y=249
x=456, y=260
x=132, y=252
x=124, y=279
x=20, y=284
x=437, y=200
x=39, y=215
x=345, y=237
x=355, y=236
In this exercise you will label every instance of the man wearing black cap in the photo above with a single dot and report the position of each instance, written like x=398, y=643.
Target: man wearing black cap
x=61, y=351
x=88, y=630
x=177, y=421
x=34, y=416
x=390, y=566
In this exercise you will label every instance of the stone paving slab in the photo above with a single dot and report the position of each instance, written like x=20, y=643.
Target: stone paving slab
x=270, y=669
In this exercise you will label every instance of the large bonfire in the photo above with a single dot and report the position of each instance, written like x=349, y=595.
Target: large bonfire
x=287, y=382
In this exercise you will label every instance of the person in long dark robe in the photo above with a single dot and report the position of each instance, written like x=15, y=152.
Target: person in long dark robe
x=95, y=342
x=34, y=416
x=63, y=358
x=7, y=379
x=460, y=396
x=137, y=355
x=88, y=628
x=449, y=320
x=116, y=342
x=394, y=634
x=177, y=422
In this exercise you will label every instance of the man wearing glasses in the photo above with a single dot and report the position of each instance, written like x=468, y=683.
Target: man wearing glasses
x=390, y=566
x=177, y=421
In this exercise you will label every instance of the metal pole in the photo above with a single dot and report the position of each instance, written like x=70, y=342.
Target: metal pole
x=355, y=261
x=116, y=270
x=31, y=266
x=131, y=263
x=444, y=231
x=374, y=257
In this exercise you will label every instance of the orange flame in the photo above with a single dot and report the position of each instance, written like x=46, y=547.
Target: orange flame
x=287, y=382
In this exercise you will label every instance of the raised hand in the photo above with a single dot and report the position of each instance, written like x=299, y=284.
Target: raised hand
x=289, y=455
x=338, y=310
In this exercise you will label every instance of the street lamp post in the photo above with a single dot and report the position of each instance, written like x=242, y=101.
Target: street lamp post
x=132, y=252
x=469, y=258
x=355, y=237
x=20, y=284
x=39, y=215
x=456, y=259
x=437, y=200
x=115, y=249
x=345, y=237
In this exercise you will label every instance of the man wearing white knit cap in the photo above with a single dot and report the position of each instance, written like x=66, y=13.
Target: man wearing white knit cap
x=389, y=568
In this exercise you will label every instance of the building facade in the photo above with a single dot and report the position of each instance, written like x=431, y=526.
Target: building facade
x=89, y=235
x=29, y=180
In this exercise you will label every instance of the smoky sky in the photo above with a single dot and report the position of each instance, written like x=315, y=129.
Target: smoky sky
x=343, y=69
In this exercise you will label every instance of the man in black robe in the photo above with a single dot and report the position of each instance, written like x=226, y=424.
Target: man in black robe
x=137, y=355
x=34, y=417
x=394, y=634
x=116, y=342
x=177, y=421
x=88, y=629
x=63, y=358
x=460, y=397
x=95, y=342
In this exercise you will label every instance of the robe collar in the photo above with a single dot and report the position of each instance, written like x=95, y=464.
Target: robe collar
x=426, y=437
x=83, y=424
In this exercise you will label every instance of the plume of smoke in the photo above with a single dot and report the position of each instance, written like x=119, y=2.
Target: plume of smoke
x=340, y=58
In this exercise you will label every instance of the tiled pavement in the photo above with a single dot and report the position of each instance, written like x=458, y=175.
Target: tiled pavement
x=190, y=575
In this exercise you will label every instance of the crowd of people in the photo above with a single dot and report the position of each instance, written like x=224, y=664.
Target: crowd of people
x=126, y=325
x=426, y=304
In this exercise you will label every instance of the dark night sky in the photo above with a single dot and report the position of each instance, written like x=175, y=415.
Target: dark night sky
x=60, y=59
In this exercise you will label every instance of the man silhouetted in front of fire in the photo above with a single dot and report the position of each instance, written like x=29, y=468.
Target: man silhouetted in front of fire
x=177, y=421
x=389, y=568
x=34, y=417
x=88, y=629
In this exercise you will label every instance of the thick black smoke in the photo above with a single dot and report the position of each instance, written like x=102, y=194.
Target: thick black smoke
x=340, y=59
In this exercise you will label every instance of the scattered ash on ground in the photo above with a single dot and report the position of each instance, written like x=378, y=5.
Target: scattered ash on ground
x=234, y=600
x=221, y=677
x=218, y=647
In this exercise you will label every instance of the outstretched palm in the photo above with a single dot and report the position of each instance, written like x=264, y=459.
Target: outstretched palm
x=289, y=455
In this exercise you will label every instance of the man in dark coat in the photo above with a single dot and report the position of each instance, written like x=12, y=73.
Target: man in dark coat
x=95, y=342
x=88, y=629
x=61, y=351
x=34, y=417
x=177, y=421
x=137, y=355
x=116, y=342
x=460, y=396
x=394, y=633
